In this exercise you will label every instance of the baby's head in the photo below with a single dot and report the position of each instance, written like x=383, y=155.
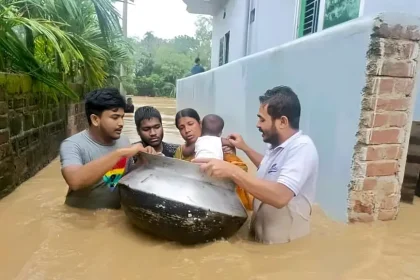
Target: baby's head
x=212, y=125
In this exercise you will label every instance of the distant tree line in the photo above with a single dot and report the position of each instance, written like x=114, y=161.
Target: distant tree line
x=157, y=63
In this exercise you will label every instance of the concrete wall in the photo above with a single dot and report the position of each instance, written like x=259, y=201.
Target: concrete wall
x=30, y=134
x=276, y=23
x=232, y=91
x=372, y=7
x=328, y=72
x=235, y=21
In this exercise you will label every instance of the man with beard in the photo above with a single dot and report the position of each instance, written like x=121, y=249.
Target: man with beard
x=285, y=186
x=94, y=160
x=149, y=127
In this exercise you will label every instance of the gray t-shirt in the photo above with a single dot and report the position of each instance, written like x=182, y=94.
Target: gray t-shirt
x=81, y=149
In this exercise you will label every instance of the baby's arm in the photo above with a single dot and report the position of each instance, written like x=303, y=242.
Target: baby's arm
x=226, y=142
x=188, y=151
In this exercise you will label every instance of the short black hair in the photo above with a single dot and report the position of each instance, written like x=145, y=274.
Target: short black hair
x=282, y=101
x=197, y=60
x=103, y=99
x=146, y=113
x=188, y=112
x=212, y=125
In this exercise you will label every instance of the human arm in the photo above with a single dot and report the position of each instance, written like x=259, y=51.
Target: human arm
x=78, y=175
x=188, y=150
x=226, y=142
x=273, y=193
x=138, y=160
x=228, y=148
x=293, y=174
x=237, y=141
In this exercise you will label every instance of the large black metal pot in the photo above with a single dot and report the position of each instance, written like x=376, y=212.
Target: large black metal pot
x=172, y=199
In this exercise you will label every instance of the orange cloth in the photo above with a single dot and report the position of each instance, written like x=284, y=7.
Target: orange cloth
x=245, y=197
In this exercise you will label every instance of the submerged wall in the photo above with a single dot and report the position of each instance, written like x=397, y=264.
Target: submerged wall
x=30, y=133
x=335, y=73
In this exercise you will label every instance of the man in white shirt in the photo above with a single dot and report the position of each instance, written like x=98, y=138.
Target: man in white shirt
x=285, y=186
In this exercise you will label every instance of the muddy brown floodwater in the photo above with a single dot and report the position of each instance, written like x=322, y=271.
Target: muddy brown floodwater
x=40, y=238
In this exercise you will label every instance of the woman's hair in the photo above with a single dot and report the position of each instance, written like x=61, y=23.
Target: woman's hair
x=188, y=112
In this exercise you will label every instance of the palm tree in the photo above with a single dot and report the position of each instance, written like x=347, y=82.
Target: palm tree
x=81, y=39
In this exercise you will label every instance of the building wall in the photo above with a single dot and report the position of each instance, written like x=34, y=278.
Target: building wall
x=235, y=21
x=276, y=23
x=30, y=134
x=233, y=89
x=338, y=75
x=371, y=7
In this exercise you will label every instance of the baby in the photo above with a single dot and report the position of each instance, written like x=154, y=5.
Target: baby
x=209, y=145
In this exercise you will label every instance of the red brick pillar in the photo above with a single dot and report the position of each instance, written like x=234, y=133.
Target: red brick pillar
x=385, y=123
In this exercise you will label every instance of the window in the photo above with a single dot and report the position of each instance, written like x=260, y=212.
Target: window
x=227, y=37
x=252, y=16
x=339, y=11
x=224, y=49
x=221, y=48
x=308, y=19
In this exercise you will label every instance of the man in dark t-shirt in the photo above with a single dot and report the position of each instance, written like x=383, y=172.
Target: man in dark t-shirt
x=149, y=127
x=197, y=68
x=129, y=108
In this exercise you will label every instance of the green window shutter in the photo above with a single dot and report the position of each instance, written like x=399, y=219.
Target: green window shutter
x=308, y=17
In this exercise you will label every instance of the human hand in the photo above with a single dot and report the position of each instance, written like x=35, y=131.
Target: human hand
x=135, y=149
x=237, y=141
x=132, y=150
x=229, y=149
x=215, y=167
x=141, y=160
x=149, y=150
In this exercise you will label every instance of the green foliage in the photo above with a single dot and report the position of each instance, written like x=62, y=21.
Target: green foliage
x=58, y=42
x=62, y=41
x=157, y=63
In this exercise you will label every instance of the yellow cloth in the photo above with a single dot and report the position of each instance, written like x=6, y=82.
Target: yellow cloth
x=244, y=196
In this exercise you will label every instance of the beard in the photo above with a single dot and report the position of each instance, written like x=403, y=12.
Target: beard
x=153, y=144
x=270, y=136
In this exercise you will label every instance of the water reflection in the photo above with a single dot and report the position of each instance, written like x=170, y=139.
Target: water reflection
x=40, y=238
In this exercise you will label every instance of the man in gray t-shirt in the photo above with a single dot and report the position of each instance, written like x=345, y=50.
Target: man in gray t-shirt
x=94, y=160
x=81, y=149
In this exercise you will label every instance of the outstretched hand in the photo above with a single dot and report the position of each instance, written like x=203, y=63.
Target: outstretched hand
x=236, y=140
x=215, y=168
x=136, y=149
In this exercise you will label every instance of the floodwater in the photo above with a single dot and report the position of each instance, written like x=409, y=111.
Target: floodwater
x=40, y=238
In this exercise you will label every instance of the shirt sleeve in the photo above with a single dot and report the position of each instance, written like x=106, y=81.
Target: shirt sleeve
x=297, y=167
x=70, y=154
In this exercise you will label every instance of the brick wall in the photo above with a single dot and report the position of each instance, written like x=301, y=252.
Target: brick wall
x=30, y=134
x=76, y=118
x=385, y=123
